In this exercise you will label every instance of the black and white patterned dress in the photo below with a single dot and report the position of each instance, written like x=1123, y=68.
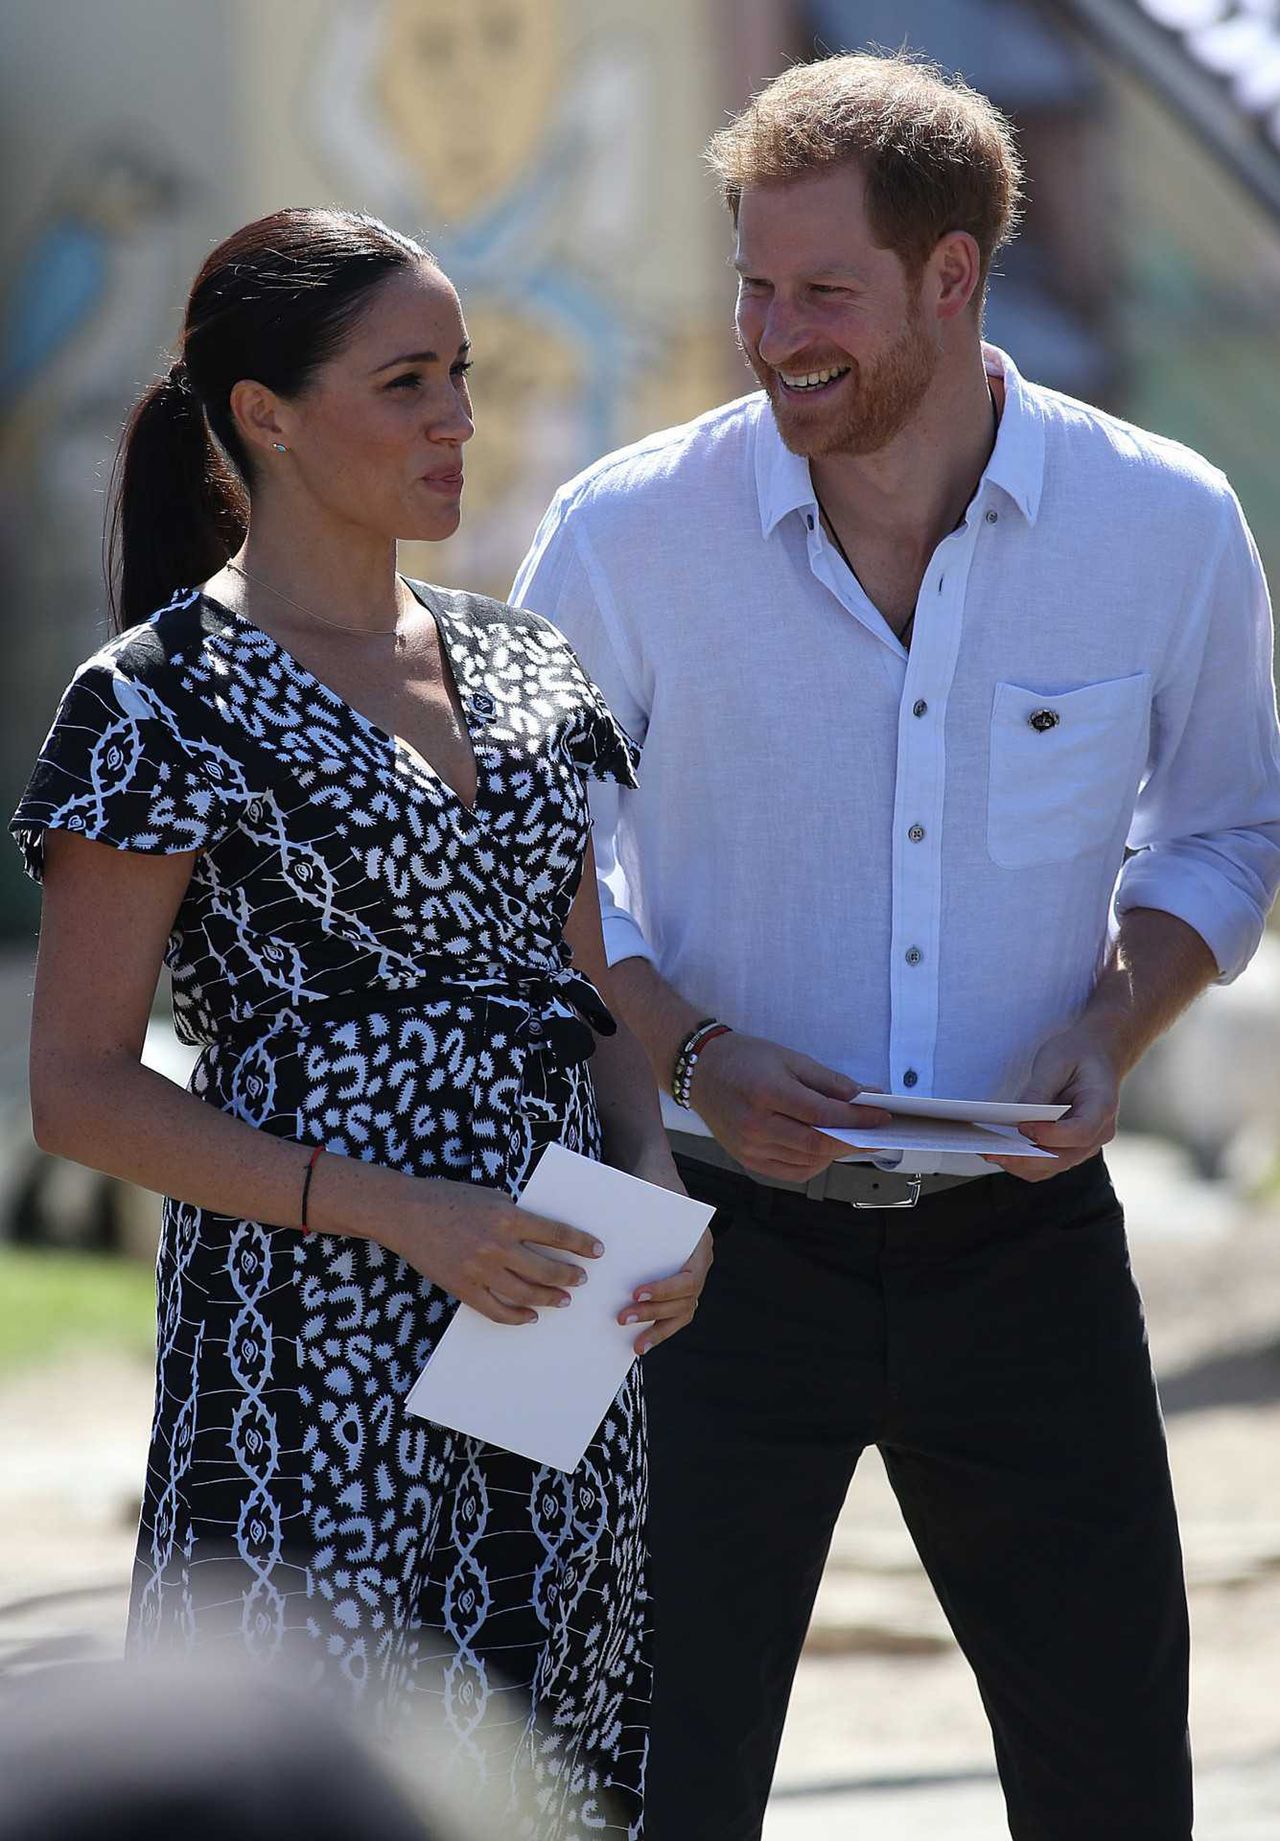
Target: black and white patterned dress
x=370, y=965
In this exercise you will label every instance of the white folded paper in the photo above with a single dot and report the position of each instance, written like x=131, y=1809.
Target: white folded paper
x=973, y=1111
x=542, y=1389
x=934, y=1135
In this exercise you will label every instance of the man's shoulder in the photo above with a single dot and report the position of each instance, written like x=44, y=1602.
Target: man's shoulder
x=1118, y=455
x=667, y=463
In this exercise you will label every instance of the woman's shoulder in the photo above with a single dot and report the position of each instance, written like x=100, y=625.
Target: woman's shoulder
x=483, y=611
x=151, y=652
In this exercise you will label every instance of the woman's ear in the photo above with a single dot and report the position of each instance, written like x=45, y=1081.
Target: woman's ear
x=256, y=412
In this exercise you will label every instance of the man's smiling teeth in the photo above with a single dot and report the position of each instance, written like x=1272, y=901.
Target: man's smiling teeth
x=812, y=380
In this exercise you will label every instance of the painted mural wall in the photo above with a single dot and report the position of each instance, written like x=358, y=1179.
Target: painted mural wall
x=548, y=151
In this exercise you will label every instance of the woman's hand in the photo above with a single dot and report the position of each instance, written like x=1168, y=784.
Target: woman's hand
x=668, y=1304
x=481, y=1248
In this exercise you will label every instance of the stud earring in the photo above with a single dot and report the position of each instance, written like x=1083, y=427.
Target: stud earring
x=279, y=447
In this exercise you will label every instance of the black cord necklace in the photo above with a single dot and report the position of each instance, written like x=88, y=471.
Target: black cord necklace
x=904, y=637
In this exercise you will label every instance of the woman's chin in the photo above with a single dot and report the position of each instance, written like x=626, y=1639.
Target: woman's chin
x=432, y=528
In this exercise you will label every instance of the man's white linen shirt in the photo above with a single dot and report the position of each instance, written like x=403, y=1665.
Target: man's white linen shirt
x=901, y=863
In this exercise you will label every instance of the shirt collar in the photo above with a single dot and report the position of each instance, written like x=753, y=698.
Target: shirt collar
x=783, y=482
x=1017, y=460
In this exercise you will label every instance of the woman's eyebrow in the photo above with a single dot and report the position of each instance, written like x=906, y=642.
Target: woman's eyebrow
x=418, y=358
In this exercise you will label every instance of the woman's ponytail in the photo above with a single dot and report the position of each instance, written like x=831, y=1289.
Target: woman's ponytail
x=272, y=303
x=178, y=510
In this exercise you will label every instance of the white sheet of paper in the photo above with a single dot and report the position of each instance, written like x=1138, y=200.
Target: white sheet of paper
x=941, y=1135
x=541, y=1389
x=975, y=1111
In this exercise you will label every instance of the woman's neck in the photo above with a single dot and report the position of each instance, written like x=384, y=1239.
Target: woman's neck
x=343, y=576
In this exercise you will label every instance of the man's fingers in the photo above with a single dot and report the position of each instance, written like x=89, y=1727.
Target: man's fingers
x=819, y=1079
x=1073, y=1130
x=1040, y=1169
x=787, y=1140
x=813, y=1108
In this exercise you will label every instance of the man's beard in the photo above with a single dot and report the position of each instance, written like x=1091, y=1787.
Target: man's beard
x=876, y=402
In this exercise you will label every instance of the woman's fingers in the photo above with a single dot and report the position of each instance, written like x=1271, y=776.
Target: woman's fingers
x=663, y=1329
x=548, y=1233
x=681, y=1284
x=501, y=1310
x=517, y=1290
x=540, y=1269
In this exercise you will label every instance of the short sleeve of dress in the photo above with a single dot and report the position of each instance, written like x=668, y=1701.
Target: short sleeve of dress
x=597, y=741
x=115, y=769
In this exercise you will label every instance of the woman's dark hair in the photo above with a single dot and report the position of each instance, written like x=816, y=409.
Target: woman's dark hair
x=272, y=303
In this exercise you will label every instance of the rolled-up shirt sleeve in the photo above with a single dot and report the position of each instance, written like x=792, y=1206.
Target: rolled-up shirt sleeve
x=561, y=579
x=1206, y=827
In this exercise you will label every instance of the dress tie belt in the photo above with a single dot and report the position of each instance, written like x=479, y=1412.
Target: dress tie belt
x=571, y=1038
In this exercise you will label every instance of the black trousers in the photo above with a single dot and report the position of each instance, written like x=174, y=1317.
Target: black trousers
x=990, y=1342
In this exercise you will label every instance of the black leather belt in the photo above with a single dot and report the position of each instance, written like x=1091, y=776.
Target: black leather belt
x=857, y=1185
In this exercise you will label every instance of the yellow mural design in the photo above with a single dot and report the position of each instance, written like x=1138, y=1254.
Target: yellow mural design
x=466, y=91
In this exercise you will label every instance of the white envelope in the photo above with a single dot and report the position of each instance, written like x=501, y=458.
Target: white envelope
x=939, y=1135
x=541, y=1389
x=976, y=1111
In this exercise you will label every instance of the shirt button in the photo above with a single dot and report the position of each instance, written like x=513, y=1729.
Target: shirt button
x=913, y=955
x=809, y=519
x=916, y=834
x=1044, y=719
x=535, y=1028
x=919, y=708
x=910, y=1078
x=993, y=517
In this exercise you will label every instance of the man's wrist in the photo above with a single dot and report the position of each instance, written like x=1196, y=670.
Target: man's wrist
x=689, y=1054
x=1107, y=1030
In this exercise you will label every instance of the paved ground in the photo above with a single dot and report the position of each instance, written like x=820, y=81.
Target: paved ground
x=886, y=1741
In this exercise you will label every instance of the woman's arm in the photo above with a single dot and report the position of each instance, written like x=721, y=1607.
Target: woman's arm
x=631, y=1120
x=107, y=915
x=630, y=1115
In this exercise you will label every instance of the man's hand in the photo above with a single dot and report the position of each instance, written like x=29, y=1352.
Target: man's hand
x=1077, y=1066
x=765, y=1104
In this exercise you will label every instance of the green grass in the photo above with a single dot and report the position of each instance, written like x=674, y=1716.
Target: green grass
x=54, y=1302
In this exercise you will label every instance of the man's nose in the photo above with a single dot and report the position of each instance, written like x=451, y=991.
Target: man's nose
x=783, y=333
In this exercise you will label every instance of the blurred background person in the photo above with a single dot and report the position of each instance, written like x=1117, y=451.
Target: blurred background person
x=116, y=1754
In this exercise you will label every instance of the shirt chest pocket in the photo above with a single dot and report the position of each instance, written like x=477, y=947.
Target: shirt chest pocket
x=1064, y=768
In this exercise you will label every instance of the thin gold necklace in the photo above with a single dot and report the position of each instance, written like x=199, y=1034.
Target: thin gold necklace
x=365, y=632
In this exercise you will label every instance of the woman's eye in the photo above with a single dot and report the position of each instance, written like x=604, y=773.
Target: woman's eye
x=463, y=366
x=410, y=381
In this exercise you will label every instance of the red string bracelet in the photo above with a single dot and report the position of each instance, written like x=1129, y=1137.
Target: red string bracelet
x=312, y=1161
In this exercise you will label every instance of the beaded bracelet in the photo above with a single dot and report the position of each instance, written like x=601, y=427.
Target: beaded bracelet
x=687, y=1057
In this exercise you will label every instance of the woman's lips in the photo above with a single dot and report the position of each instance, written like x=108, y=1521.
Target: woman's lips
x=443, y=482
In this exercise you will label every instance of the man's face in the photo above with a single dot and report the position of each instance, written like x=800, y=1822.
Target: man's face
x=831, y=323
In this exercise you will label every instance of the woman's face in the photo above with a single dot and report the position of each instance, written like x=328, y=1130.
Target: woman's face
x=376, y=437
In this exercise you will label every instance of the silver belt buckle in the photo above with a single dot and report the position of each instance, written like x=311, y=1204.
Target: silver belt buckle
x=908, y=1201
x=818, y=1188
